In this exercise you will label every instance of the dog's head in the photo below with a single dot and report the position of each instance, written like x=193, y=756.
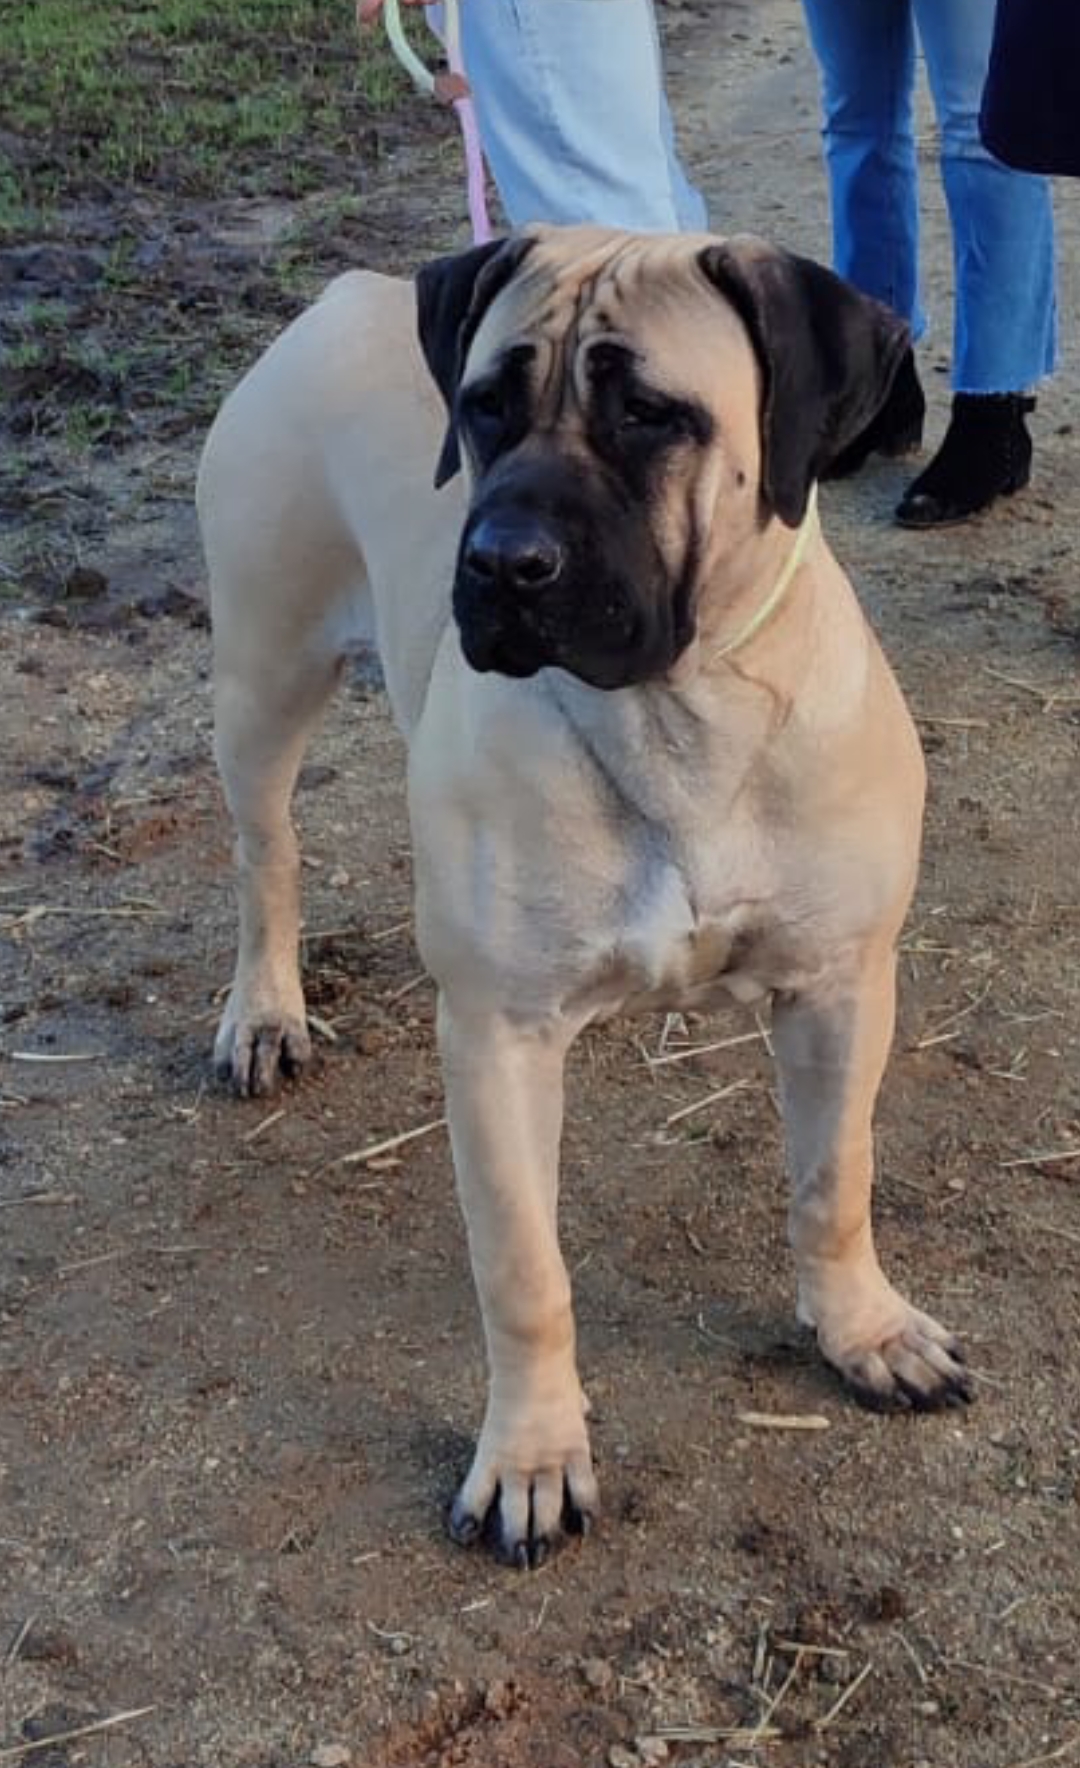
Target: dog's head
x=630, y=408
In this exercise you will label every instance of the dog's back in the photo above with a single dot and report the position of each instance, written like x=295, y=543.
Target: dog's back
x=316, y=482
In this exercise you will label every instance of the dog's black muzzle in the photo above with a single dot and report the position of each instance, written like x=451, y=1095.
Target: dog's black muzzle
x=555, y=570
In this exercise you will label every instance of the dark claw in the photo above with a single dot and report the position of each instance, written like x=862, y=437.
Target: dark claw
x=873, y=1400
x=271, y=1058
x=960, y=1390
x=579, y=1522
x=266, y=1064
x=237, y=1080
x=917, y=1398
x=465, y=1528
x=956, y=1390
x=524, y=1553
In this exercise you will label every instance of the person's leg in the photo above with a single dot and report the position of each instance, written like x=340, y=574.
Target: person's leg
x=866, y=52
x=574, y=120
x=1003, y=251
x=1002, y=223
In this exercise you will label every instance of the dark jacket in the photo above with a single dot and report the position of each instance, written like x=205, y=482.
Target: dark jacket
x=1030, y=114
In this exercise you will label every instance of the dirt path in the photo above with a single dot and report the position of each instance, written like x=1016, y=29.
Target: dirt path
x=239, y=1371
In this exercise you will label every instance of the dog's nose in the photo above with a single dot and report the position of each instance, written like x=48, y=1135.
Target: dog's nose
x=516, y=555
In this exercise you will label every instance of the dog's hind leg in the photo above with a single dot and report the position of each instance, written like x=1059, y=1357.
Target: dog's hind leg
x=263, y=720
x=831, y=1047
x=288, y=594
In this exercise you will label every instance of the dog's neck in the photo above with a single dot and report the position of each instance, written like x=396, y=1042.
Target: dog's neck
x=754, y=600
x=771, y=603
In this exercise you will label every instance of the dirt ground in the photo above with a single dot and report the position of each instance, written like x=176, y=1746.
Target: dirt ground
x=239, y=1367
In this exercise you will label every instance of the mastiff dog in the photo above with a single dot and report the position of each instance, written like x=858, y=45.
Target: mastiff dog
x=567, y=484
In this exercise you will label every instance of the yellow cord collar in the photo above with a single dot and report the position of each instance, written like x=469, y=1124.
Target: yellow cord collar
x=772, y=601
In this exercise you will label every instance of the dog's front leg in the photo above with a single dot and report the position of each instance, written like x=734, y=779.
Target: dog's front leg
x=532, y=1469
x=831, y=1048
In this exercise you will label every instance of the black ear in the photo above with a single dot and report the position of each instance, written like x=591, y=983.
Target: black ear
x=452, y=296
x=828, y=357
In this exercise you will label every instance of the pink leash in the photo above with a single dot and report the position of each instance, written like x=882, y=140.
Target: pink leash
x=450, y=88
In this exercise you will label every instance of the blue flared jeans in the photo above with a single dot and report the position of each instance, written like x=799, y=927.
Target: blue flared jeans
x=1001, y=221
x=573, y=115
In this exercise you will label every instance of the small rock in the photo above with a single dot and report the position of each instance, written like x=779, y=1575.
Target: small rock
x=315, y=776
x=499, y=1699
x=888, y=1604
x=53, y=1719
x=331, y=1755
x=339, y=879
x=49, y=1645
x=618, y=1757
x=652, y=1751
x=174, y=603
x=597, y=1672
x=85, y=584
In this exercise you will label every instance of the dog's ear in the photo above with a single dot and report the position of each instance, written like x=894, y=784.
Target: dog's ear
x=452, y=296
x=828, y=357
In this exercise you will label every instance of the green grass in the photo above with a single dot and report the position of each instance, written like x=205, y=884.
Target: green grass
x=135, y=135
x=193, y=95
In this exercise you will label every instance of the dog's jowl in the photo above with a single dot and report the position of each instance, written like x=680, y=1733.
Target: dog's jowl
x=656, y=756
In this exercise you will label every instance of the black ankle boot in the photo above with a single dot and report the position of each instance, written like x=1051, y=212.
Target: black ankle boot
x=986, y=454
x=897, y=428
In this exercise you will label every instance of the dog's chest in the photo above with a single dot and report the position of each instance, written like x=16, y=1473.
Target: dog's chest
x=676, y=949
x=701, y=906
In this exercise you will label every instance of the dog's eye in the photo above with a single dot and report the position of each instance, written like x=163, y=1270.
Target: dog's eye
x=657, y=416
x=485, y=405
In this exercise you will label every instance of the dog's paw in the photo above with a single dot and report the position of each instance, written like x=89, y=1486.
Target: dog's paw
x=524, y=1495
x=905, y=1362
x=256, y=1049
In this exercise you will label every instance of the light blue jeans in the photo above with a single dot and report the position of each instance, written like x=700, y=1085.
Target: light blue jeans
x=1002, y=224
x=574, y=120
